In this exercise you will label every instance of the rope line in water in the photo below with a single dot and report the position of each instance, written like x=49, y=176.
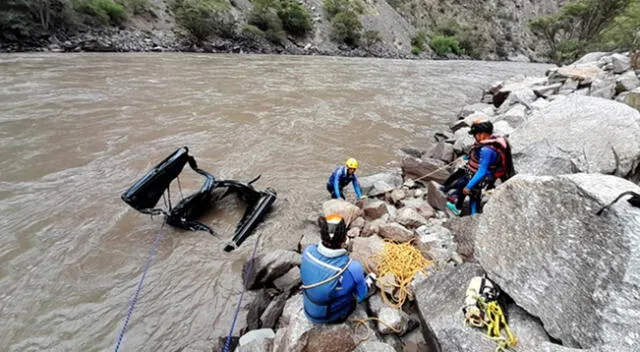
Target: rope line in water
x=227, y=343
x=134, y=299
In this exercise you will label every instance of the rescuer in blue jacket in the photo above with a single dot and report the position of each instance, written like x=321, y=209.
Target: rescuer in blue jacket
x=332, y=283
x=489, y=160
x=341, y=177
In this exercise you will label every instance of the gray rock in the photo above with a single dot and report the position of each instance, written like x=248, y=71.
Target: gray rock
x=591, y=58
x=502, y=128
x=396, y=232
x=424, y=169
x=463, y=231
x=308, y=238
x=289, y=280
x=486, y=109
x=438, y=240
x=358, y=223
x=583, y=73
x=374, y=209
x=264, y=345
x=540, y=104
x=419, y=193
x=606, y=139
x=633, y=99
x=620, y=63
x=463, y=141
x=354, y=232
x=409, y=183
x=397, y=195
x=410, y=218
x=363, y=249
x=627, y=81
x=524, y=96
x=258, y=335
x=413, y=203
x=380, y=188
x=443, y=151
x=348, y=211
x=603, y=88
x=439, y=300
x=372, y=228
x=272, y=313
x=515, y=116
x=414, y=152
x=374, y=346
x=268, y=266
x=392, y=178
x=546, y=90
x=540, y=240
x=435, y=197
x=395, y=319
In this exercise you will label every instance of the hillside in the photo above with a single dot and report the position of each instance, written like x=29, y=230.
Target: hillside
x=489, y=30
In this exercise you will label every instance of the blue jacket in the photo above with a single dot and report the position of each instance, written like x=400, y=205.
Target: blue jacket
x=335, y=299
x=340, y=178
x=487, y=157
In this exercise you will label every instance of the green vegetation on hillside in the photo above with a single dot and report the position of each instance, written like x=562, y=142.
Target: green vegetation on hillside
x=33, y=19
x=585, y=25
x=345, y=25
x=276, y=18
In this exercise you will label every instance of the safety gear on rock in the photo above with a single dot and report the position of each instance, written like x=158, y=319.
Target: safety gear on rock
x=473, y=316
x=481, y=126
x=333, y=231
x=351, y=163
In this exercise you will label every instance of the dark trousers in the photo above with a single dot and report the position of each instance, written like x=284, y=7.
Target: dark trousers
x=475, y=197
x=333, y=194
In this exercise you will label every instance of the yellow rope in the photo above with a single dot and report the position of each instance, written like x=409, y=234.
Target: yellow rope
x=403, y=261
x=493, y=320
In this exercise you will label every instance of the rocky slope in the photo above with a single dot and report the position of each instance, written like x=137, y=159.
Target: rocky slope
x=494, y=29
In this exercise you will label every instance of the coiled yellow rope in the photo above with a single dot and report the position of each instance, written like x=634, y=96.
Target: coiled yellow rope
x=403, y=260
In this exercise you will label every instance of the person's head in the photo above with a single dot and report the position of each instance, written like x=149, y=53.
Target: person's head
x=352, y=165
x=481, y=130
x=333, y=231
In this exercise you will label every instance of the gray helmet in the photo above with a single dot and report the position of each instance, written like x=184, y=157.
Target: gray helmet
x=333, y=231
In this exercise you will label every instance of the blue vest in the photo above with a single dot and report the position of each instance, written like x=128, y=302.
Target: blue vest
x=333, y=300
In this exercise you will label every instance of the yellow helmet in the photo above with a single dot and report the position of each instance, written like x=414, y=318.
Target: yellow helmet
x=352, y=163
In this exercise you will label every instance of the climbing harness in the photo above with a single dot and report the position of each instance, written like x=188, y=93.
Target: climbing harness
x=227, y=343
x=134, y=299
x=402, y=261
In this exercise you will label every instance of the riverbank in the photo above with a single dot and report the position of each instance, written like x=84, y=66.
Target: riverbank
x=543, y=235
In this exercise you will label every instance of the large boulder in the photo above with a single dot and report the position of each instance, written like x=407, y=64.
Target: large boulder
x=440, y=299
x=410, y=218
x=374, y=209
x=348, y=211
x=463, y=230
x=266, y=267
x=392, y=178
x=363, y=250
x=579, y=134
x=627, y=82
x=297, y=334
x=541, y=241
x=424, y=169
x=396, y=232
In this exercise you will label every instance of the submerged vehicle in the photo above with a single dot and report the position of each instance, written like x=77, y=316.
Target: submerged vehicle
x=147, y=191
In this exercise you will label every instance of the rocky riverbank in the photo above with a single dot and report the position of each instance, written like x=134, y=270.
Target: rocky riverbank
x=570, y=274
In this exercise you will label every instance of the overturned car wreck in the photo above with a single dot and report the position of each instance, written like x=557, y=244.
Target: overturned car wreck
x=146, y=192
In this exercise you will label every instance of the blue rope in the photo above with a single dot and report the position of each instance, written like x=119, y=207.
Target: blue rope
x=134, y=299
x=227, y=343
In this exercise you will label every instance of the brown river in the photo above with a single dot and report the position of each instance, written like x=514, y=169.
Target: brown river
x=78, y=130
